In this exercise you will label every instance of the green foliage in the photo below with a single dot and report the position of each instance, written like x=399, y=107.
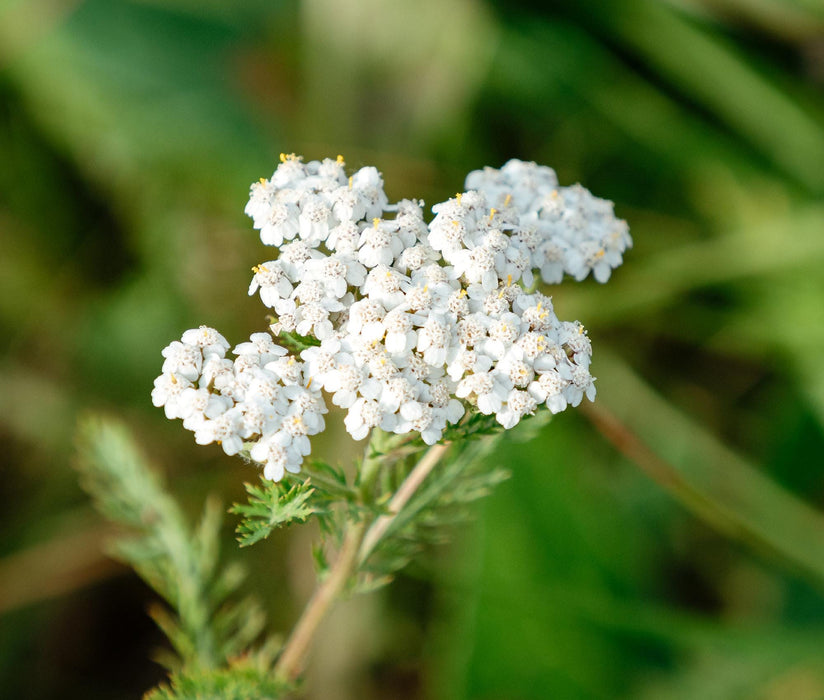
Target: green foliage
x=443, y=500
x=474, y=425
x=559, y=573
x=272, y=505
x=319, y=491
x=330, y=482
x=717, y=484
x=244, y=679
x=296, y=343
x=207, y=625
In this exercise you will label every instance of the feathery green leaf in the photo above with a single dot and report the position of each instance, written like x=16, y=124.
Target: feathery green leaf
x=270, y=506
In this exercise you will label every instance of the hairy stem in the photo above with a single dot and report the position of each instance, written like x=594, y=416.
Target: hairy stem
x=400, y=499
x=292, y=659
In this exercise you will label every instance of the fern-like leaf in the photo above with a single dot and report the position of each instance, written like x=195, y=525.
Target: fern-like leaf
x=271, y=506
x=241, y=681
x=204, y=621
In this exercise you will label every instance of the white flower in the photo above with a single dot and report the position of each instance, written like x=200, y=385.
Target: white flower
x=364, y=415
x=550, y=259
x=502, y=332
x=207, y=339
x=258, y=418
x=365, y=318
x=462, y=360
x=290, y=172
x=261, y=346
x=307, y=401
x=277, y=454
x=486, y=390
x=415, y=322
x=517, y=183
x=272, y=281
x=477, y=266
x=344, y=238
x=562, y=229
x=336, y=273
x=399, y=338
x=224, y=430
x=288, y=369
x=313, y=319
x=321, y=362
x=197, y=405
x=282, y=223
x=348, y=205
x=396, y=392
x=434, y=339
x=265, y=389
x=168, y=388
x=575, y=338
x=443, y=402
x=439, y=281
x=581, y=385
x=315, y=215
x=378, y=243
x=214, y=370
x=383, y=285
x=549, y=388
x=516, y=368
x=182, y=359
x=261, y=196
x=369, y=184
x=293, y=257
x=346, y=381
x=415, y=257
x=273, y=455
x=518, y=404
x=330, y=169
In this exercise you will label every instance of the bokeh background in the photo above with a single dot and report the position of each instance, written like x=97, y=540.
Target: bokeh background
x=662, y=545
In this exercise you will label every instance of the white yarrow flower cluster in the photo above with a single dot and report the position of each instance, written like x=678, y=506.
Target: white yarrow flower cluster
x=406, y=325
x=262, y=400
x=566, y=229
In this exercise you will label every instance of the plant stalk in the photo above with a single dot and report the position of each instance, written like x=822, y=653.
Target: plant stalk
x=291, y=662
x=357, y=545
x=400, y=499
x=373, y=461
x=293, y=657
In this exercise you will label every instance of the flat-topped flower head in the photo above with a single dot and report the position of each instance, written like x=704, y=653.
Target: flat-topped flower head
x=405, y=325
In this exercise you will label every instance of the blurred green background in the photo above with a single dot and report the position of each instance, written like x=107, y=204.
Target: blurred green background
x=129, y=134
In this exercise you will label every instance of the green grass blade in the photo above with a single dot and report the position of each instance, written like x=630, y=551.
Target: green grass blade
x=707, y=477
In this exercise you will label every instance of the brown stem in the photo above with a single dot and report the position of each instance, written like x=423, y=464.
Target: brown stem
x=292, y=659
x=632, y=447
x=659, y=470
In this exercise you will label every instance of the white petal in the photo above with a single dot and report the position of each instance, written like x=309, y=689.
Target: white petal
x=273, y=472
x=411, y=410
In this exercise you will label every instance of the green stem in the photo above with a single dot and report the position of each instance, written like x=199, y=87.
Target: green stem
x=374, y=459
